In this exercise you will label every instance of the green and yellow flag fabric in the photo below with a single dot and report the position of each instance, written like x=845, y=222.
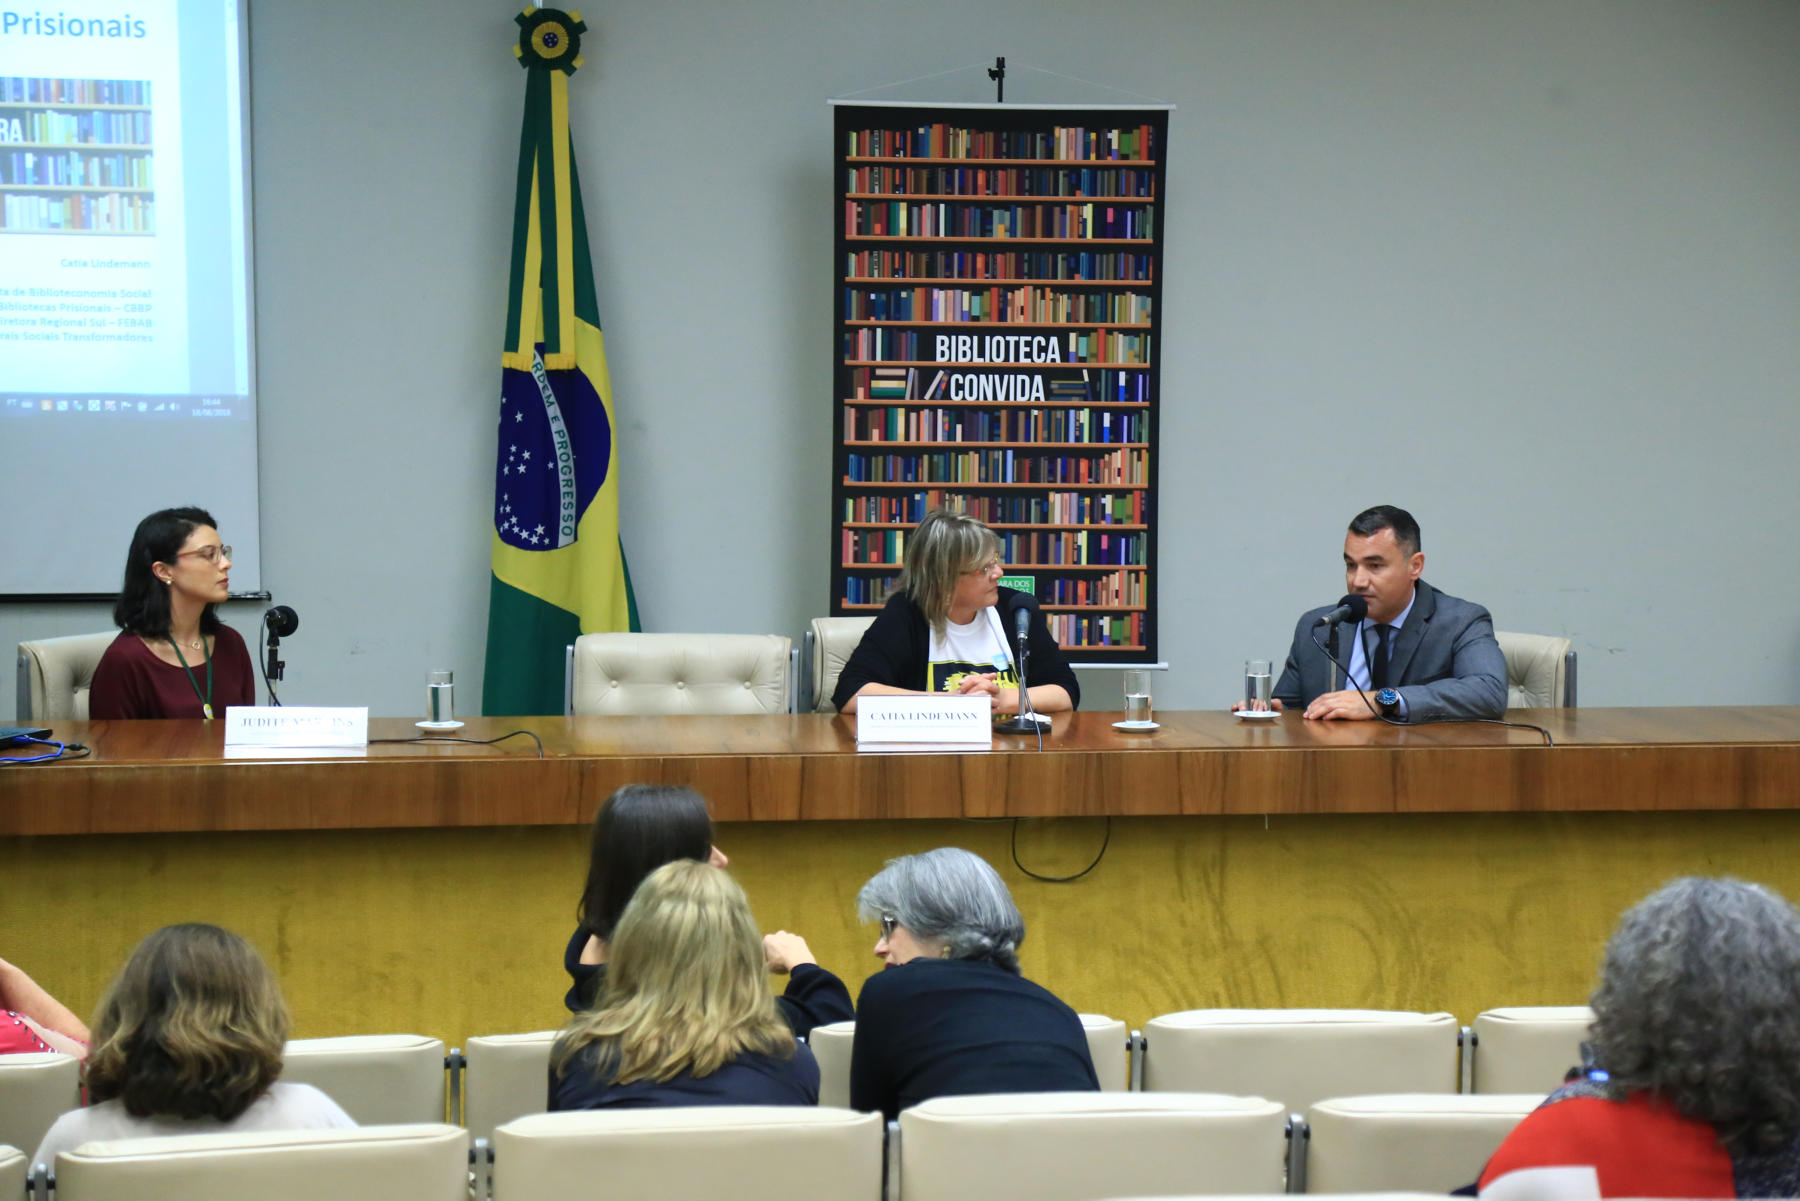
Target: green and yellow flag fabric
x=559, y=569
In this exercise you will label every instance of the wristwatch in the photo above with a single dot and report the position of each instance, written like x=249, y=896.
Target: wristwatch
x=1389, y=700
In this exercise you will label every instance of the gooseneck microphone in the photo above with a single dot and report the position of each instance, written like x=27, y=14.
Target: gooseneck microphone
x=1350, y=608
x=280, y=621
x=1026, y=720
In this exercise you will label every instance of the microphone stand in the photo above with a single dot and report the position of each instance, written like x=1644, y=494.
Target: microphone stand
x=1026, y=720
x=1331, y=651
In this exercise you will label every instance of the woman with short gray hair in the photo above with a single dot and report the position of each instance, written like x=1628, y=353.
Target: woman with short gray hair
x=1695, y=1085
x=951, y=1013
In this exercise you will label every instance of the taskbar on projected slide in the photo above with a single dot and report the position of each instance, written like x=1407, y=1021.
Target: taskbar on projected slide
x=118, y=406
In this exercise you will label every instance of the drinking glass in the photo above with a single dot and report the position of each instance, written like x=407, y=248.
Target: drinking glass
x=1137, y=695
x=1257, y=685
x=440, y=697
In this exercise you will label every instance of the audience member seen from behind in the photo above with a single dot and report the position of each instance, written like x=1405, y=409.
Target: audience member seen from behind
x=639, y=828
x=1695, y=1088
x=686, y=1016
x=188, y=1040
x=948, y=628
x=950, y=1013
x=33, y=1020
x=173, y=657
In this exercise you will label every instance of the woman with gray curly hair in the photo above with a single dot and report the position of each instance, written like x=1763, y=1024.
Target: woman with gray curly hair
x=950, y=1014
x=1695, y=1088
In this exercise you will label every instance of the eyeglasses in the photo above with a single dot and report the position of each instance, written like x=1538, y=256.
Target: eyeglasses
x=888, y=923
x=987, y=568
x=212, y=554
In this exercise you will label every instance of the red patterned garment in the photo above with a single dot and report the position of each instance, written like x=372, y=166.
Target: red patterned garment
x=16, y=1035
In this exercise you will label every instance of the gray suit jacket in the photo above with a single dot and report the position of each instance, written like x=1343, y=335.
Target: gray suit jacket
x=1445, y=663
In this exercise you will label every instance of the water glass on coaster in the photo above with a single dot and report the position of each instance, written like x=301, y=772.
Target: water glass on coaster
x=1137, y=701
x=440, y=702
x=1259, y=683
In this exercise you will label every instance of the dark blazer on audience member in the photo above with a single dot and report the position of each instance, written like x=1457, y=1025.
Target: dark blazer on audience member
x=813, y=996
x=946, y=1027
x=1445, y=662
x=746, y=1080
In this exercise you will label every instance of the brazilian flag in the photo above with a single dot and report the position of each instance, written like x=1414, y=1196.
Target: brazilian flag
x=559, y=569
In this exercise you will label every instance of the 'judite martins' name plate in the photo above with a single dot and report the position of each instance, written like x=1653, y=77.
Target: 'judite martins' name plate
x=308, y=726
x=959, y=722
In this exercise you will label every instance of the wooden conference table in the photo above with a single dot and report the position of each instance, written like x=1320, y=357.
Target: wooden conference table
x=174, y=776
x=431, y=886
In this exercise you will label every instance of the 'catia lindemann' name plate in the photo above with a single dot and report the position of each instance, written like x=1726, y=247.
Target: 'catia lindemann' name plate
x=909, y=722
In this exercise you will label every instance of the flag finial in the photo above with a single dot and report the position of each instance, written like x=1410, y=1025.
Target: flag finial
x=549, y=39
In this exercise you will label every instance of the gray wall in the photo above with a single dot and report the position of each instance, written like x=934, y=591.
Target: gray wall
x=1529, y=269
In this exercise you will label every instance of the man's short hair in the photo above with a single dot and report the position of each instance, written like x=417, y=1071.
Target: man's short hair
x=1372, y=521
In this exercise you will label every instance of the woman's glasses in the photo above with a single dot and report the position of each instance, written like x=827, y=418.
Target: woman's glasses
x=888, y=923
x=212, y=554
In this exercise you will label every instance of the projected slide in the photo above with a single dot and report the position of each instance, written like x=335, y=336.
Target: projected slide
x=124, y=265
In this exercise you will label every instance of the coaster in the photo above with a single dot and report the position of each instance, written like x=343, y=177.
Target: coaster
x=1264, y=715
x=1136, y=727
x=439, y=725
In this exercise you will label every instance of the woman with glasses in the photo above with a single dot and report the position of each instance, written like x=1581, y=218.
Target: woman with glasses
x=173, y=657
x=948, y=627
x=686, y=1016
x=950, y=1014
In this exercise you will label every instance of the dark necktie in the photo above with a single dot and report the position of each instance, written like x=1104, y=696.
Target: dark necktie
x=1378, y=670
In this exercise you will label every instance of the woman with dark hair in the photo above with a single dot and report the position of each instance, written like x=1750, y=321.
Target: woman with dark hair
x=188, y=1040
x=948, y=627
x=686, y=1017
x=639, y=828
x=951, y=1014
x=1695, y=1088
x=173, y=657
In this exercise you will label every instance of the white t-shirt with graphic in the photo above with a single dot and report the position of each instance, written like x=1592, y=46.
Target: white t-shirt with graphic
x=977, y=648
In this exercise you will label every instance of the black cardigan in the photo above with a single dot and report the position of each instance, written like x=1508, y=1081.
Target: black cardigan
x=896, y=651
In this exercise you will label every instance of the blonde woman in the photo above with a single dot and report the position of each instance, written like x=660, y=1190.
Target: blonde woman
x=686, y=1016
x=188, y=1040
x=948, y=627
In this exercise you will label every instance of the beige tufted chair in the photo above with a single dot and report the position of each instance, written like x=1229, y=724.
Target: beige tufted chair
x=1423, y=1141
x=674, y=674
x=36, y=1088
x=55, y=675
x=375, y=1077
x=1525, y=1048
x=829, y=641
x=1540, y=671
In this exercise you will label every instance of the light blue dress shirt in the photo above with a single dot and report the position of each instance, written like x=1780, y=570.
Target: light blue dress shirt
x=1362, y=648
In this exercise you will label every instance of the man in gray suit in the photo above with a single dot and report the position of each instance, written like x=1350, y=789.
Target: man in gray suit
x=1419, y=654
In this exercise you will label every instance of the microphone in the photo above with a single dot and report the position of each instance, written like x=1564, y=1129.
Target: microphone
x=280, y=621
x=1350, y=608
x=1026, y=720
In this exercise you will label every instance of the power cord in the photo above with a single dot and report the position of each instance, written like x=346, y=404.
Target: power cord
x=470, y=741
x=65, y=751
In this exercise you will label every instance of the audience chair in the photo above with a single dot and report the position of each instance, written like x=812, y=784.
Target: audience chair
x=1300, y=1056
x=691, y=1153
x=505, y=1076
x=1525, y=1048
x=13, y=1171
x=828, y=643
x=428, y=1162
x=55, y=675
x=35, y=1090
x=1109, y=1042
x=674, y=674
x=831, y=1044
x=1420, y=1142
x=1078, y=1146
x=1540, y=671
x=377, y=1078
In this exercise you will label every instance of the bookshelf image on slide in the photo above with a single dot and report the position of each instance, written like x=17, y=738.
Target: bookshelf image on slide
x=998, y=273
x=76, y=157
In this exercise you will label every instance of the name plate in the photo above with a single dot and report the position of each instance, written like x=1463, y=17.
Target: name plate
x=296, y=725
x=959, y=721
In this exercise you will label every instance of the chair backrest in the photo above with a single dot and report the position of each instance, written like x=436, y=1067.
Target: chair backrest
x=1301, y=1056
x=35, y=1090
x=744, y=1152
x=506, y=1076
x=673, y=674
x=1540, y=671
x=1109, y=1044
x=829, y=641
x=1077, y=1146
x=831, y=1045
x=377, y=1078
x=1528, y=1048
x=56, y=674
x=1421, y=1142
x=13, y=1170
x=427, y=1162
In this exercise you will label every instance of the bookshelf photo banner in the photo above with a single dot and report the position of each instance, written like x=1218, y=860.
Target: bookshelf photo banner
x=998, y=274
